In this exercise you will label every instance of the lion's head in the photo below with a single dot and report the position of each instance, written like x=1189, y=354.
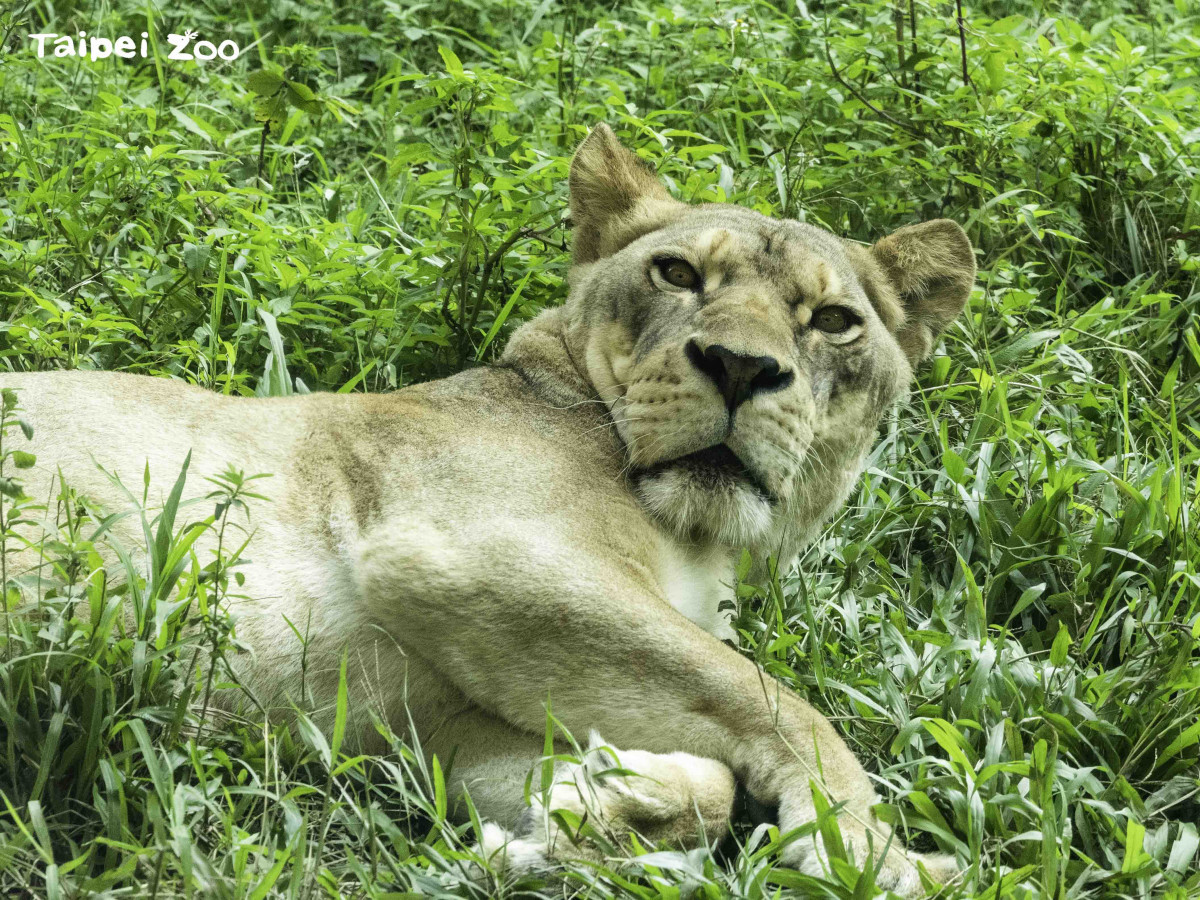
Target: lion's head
x=746, y=361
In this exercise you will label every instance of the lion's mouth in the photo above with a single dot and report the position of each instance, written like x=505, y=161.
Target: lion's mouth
x=717, y=465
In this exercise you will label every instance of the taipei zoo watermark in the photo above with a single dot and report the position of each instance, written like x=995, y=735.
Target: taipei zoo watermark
x=184, y=47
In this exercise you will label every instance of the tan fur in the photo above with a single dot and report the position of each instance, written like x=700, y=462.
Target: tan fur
x=674, y=798
x=515, y=536
x=918, y=275
x=614, y=197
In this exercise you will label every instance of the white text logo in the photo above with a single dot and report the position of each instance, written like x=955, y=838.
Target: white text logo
x=126, y=47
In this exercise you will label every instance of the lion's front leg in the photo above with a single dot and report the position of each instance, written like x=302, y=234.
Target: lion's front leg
x=595, y=642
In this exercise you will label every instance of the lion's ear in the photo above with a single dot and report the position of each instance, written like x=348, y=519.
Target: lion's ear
x=615, y=197
x=931, y=267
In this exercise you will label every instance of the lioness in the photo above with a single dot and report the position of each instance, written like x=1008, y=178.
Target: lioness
x=562, y=526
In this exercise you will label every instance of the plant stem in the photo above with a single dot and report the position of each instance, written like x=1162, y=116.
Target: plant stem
x=962, y=43
x=262, y=147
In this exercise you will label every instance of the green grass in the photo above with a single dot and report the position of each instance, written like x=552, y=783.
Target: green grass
x=1004, y=620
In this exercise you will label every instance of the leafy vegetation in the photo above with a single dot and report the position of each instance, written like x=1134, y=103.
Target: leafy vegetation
x=1003, y=622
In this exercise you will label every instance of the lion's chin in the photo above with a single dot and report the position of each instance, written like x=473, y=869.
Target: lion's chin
x=707, y=496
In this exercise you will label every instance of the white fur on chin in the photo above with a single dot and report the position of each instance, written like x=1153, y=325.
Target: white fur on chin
x=734, y=514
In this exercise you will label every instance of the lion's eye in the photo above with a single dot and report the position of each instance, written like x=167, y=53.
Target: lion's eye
x=834, y=319
x=678, y=273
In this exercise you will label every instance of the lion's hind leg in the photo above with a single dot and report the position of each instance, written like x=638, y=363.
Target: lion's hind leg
x=593, y=806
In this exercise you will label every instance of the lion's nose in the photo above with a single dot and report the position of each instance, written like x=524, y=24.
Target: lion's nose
x=738, y=376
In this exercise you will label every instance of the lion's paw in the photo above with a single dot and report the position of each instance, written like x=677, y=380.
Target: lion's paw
x=672, y=797
x=900, y=872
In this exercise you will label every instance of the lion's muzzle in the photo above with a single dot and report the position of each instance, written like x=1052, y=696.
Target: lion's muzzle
x=738, y=376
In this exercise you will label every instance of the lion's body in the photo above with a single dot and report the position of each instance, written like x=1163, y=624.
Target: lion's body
x=473, y=469
x=542, y=531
